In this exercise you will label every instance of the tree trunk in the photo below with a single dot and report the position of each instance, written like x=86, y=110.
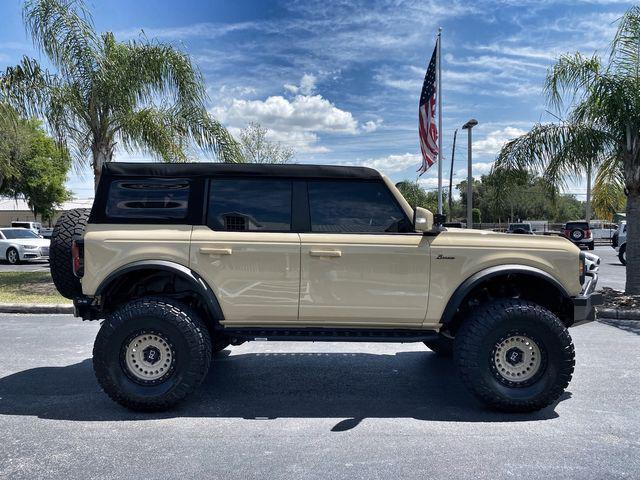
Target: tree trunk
x=102, y=153
x=633, y=243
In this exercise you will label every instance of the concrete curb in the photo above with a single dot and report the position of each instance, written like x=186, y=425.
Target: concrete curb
x=618, y=314
x=35, y=308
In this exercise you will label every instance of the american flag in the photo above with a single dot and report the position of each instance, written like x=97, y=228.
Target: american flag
x=427, y=117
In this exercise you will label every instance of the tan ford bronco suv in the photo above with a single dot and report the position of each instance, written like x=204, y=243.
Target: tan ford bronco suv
x=182, y=260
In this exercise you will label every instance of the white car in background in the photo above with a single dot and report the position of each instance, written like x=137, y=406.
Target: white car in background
x=20, y=244
x=35, y=227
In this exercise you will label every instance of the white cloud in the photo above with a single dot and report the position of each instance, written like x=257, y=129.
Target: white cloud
x=477, y=169
x=393, y=163
x=494, y=140
x=431, y=183
x=295, y=122
x=371, y=125
x=307, y=85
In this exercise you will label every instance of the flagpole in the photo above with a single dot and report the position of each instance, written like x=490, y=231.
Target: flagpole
x=439, y=93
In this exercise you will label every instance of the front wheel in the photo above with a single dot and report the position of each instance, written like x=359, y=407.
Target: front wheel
x=151, y=353
x=13, y=257
x=514, y=355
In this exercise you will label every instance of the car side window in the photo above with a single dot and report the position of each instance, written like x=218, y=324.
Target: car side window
x=250, y=205
x=150, y=198
x=344, y=206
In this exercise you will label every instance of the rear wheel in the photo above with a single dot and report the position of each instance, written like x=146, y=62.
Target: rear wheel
x=151, y=353
x=514, y=355
x=71, y=224
x=13, y=257
x=622, y=254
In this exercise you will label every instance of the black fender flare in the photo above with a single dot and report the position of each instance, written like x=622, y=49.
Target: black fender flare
x=483, y=275
x=198, y=283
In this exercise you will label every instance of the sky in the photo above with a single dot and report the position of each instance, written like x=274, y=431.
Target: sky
x=339, y=81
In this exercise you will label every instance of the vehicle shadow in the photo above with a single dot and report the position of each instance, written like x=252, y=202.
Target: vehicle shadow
x=351, y=386
x=632, y=326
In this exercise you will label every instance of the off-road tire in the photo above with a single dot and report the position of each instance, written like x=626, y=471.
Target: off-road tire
x=16, y=257
x=442, y=346
x=72, y=223
x=183, y=329
x=478, y=336
x=622, y=254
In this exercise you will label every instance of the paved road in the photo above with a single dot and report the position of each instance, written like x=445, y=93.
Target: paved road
x=312, y=411
x=612, y=272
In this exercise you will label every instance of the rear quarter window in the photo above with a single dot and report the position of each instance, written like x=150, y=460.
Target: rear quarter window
x=151, y=198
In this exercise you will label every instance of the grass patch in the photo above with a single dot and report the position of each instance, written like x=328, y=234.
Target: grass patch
x=29, y=287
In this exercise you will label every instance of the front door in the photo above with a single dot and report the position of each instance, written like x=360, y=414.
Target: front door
x=248, y=253
x=359, y=264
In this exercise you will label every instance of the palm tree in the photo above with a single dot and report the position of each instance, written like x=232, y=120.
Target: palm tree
x=141, y=95
x=600, y=101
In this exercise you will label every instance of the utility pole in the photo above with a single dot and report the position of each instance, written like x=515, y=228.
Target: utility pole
x=588, y=206
x=468, y=127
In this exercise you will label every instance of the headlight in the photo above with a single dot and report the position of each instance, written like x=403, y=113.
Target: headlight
x=581, y=268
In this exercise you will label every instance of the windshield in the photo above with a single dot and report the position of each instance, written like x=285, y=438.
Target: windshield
x=18, y=233
x=524, y=226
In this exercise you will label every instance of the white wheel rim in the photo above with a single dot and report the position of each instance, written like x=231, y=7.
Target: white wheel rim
x=517, y=358
x=149, y=357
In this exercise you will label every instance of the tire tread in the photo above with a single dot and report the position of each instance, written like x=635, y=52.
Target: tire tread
x=480, y=324
x=190, y=325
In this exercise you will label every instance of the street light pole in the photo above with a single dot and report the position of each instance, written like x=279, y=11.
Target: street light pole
x=468, y=127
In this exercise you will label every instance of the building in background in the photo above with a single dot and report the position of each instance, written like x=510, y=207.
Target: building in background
x=12, y=209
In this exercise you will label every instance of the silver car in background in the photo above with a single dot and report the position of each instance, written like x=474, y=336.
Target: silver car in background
x=20, y=244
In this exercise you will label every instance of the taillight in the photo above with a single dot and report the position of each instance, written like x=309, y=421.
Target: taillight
x=587, y=233
x=77, y=254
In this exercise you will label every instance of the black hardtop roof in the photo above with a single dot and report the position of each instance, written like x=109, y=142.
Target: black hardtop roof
x=140, y=169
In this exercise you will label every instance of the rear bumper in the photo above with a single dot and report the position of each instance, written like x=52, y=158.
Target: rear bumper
x=584, y=305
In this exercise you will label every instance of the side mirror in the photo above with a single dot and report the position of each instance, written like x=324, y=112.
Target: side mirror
x=423, y=220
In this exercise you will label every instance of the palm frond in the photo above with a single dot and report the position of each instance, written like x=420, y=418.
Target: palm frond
x=572, y=73
x=153, y=130
x=625, y=48
x=608, y=189
x=63, y=30
x=558, y=152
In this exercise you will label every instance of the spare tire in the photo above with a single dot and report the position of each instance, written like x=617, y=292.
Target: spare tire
x=69, y=225
x=577, y=234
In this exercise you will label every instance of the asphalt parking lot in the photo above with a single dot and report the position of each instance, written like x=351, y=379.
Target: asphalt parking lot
x=311, y=410
x=612, y=272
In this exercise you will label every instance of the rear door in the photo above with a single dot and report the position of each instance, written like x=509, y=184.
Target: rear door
x=248, y=251
x=360, y=264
